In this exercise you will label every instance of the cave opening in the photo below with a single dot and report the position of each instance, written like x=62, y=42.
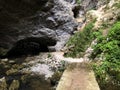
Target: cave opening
x=27, y=47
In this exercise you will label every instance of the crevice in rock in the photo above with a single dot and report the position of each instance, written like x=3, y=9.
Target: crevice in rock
x=76, y=10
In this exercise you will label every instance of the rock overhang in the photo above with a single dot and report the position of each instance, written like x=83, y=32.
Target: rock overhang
x=47, y=20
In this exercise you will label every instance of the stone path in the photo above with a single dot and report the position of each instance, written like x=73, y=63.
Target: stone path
x=78, y=77
x=59, y=56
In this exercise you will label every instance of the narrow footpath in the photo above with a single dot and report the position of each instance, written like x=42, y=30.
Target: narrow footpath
x=78, y=75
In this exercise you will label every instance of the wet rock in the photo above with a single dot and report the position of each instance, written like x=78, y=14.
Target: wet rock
x=35, y=72
x=46, y=64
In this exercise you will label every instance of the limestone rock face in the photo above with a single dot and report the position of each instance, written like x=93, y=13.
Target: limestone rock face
x=40, y=22
x=89, y=4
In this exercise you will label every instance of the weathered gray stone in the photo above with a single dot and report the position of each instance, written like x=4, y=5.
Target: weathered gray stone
x=35, y=21
x=39, y=20
x=89, y=4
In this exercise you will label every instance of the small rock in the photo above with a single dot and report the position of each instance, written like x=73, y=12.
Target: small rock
x=14, y=85
x=3, y=84
x=4, y=60
x=11, y=62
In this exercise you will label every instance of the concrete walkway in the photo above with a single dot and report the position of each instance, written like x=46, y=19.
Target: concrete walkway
x=78, y=76
x=60, y=56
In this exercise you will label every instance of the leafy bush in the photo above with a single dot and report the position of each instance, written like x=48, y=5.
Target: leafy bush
x=117, y=5
x=108, y=71
x=79, y=42
x=78, y=1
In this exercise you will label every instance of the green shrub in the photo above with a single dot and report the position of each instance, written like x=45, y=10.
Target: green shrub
x=114, y=33
x=78, y=1
x=108, y=71
x=117, y=5
x=80, y=41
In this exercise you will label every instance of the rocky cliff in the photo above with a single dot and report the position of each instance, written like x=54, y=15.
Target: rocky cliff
x=33, y=26
x=29, y=25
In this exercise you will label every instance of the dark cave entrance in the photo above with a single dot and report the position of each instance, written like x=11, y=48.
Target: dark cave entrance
x=30, y=46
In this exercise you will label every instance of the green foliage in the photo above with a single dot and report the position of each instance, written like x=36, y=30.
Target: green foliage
x=78, y=1
x=79, y=42
x=114, y=33
x=49, y=55
x=108, y=71
x=117, y=5
x=97, y=33
x=105, y=25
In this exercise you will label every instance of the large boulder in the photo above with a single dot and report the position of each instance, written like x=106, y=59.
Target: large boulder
x=38, y=23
